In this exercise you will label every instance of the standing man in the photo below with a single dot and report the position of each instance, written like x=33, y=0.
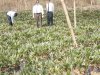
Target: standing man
x=38, y=13
x=50, y=11
x=11, y=15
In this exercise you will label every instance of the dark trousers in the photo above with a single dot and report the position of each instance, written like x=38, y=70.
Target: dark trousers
x=9, y=20
x=38, y=18
x=50, y=18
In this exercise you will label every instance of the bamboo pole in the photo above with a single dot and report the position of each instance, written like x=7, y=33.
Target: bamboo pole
x=74, y=13
x=69, y=23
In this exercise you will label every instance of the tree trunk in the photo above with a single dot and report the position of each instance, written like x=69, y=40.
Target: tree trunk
x=74, y=13
x=25, y=3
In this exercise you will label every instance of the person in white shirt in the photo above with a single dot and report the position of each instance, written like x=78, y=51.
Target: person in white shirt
x=50, y=12
x=38, y=13
x=11, y=15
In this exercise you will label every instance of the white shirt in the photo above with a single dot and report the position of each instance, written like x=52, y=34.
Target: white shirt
x=38, y=9
x=11, y=14
x=50, y=7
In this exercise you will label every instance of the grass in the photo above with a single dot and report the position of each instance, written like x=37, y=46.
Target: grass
x=49, y=50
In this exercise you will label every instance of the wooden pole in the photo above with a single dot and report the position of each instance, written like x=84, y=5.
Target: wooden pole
x=69, y=23
x=75, y=14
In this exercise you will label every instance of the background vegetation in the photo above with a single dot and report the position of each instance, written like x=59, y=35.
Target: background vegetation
x=19, y=5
